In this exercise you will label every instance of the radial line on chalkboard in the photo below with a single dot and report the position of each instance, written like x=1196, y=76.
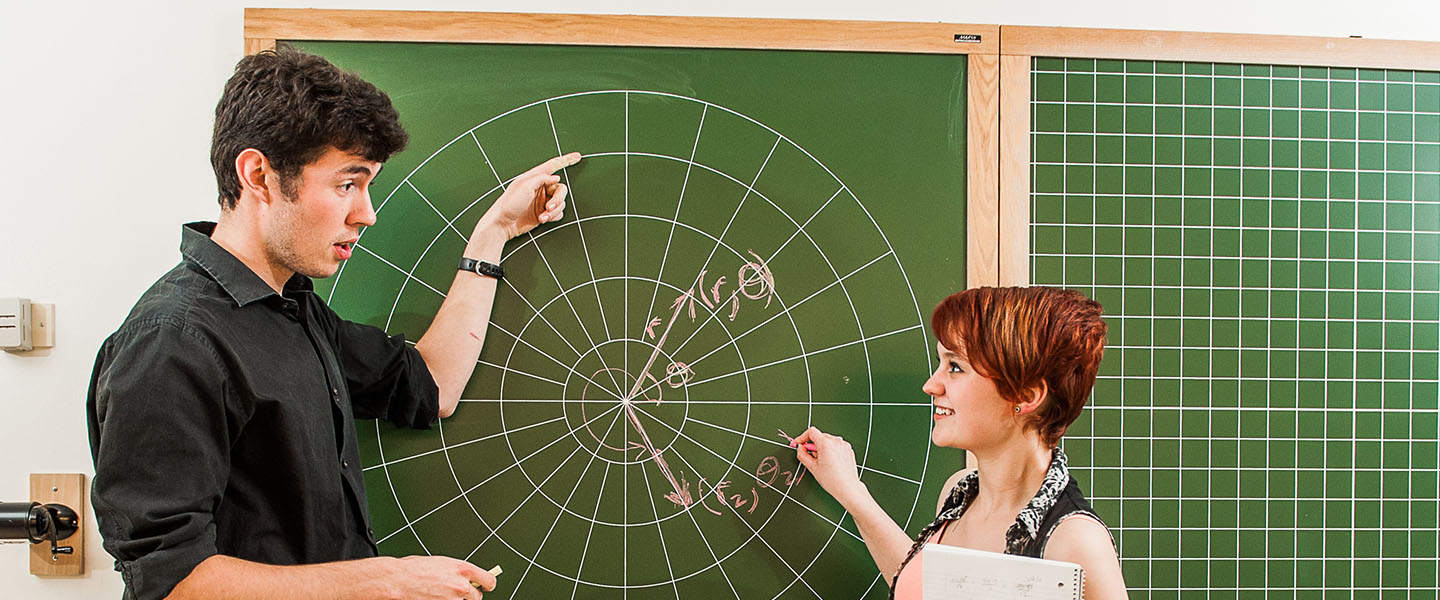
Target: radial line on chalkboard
x=785, y=495
x=689, y=165
x=635, y=420
x=574, y=202
x=402, y=271
x=518, y=372
x=749, y=189
x=546, y=321
x=783, y=312
x=802, y=355
x=706, y=540
x=798, y=576
x=486, y=156
x=569, y=368
x=579, y=320
x=580, y=568
x=625, y=332
x=449, y=223
x=773, y=442
x=801, y=228
x=517, y=463
x=449, y=447
x=515, y=592
x=754, y=533
x=664, y=548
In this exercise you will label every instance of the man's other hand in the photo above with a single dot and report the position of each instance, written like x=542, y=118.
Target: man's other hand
x=437, y=578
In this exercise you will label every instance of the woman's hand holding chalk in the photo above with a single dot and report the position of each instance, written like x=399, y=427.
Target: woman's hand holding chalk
x=834, y=468
x=808, y=446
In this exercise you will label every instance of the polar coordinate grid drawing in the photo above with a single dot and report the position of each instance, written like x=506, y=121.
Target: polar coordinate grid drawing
x=623, y=433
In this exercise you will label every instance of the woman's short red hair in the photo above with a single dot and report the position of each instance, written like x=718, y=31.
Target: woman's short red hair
x=1019, y=337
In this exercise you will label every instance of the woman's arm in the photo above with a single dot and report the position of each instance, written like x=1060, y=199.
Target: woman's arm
x=832, y=461
x=1084, y=541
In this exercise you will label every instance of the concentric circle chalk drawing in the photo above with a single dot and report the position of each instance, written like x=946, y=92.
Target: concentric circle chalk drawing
x=620, y=436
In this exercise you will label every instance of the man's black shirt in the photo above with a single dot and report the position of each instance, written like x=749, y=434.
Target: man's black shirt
x=220, y=418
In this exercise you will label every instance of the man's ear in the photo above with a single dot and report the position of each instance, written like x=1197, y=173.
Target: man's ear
x=1033, y=397
x=257, y=177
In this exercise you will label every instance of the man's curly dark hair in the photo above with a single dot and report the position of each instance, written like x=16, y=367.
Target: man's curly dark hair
x=292, y=107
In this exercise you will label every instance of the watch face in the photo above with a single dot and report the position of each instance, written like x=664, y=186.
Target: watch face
x=727, y=273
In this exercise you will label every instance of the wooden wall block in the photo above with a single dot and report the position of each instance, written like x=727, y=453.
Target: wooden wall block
x=67, y=489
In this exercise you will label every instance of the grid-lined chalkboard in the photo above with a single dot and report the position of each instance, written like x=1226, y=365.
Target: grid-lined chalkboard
x=1266, y=241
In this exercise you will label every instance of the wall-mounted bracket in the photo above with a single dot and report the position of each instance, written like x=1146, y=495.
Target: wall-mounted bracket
x=67, y=489
x=25, y=326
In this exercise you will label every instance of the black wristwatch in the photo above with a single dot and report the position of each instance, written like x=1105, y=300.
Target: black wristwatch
x=480, y=267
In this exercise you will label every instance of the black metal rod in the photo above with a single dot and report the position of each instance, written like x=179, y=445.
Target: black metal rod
x=23, y=521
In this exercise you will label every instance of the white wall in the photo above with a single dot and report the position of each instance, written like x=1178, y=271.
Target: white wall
x=104, y=152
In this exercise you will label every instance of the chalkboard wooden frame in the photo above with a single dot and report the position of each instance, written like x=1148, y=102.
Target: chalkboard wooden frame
x=1020, y=44
x=980, y=43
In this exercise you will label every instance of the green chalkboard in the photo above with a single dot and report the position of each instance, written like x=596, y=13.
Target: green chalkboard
x=807, y=210
x=1266, y=242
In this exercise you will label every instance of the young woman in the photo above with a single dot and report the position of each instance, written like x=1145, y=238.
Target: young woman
x=1016, y=365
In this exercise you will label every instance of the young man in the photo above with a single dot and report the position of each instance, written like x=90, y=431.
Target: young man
x=220, y=412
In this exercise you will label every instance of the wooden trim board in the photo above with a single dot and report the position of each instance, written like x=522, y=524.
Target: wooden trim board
x=617, y=30
x=1218, y=47
x=1014, y=157
x=982, y=151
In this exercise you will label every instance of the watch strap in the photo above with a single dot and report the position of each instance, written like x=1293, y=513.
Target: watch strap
x=480, y=267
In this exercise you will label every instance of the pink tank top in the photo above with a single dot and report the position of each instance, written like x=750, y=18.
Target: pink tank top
x=908, y=586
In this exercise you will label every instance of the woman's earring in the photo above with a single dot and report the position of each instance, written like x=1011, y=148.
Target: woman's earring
x=1017, y=410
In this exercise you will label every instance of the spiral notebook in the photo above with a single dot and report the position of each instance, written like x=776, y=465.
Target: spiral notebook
x=950, y=573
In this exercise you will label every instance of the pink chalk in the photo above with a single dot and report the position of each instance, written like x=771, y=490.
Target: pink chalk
x=809, y=446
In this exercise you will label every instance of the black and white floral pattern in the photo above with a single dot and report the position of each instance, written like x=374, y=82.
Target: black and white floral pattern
x=1026, y=528
x=1027, y=524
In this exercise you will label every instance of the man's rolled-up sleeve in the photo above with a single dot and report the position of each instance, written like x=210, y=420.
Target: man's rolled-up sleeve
x=160, y=435
x=387, y=378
